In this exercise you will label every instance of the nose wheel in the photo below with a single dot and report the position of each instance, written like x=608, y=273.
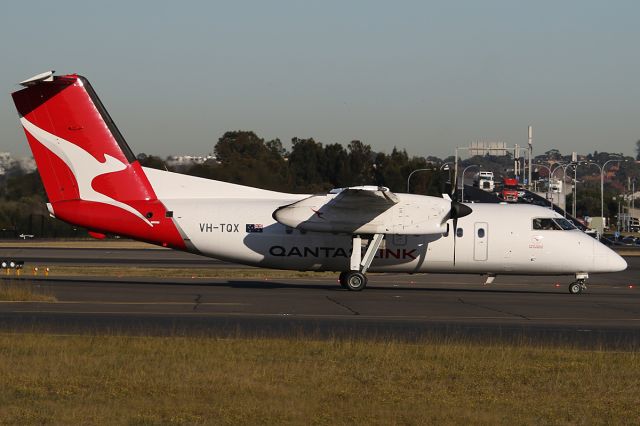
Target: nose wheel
x=577, y=287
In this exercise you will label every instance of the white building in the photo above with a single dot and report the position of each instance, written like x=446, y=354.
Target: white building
x=187, y=160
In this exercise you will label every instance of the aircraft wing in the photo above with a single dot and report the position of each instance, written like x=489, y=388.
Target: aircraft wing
x=363, y=198
x=357, y=209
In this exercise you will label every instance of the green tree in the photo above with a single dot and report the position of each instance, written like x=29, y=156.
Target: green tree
x=360, y=163
x=336, y=165
x=151, y=161
x=306, y=165
x=245, y=159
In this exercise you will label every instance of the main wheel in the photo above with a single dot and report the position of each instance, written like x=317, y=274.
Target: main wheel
x=355, y=281
x=575, y=287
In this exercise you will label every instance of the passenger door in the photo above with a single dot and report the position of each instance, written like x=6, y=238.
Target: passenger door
x=480, y=237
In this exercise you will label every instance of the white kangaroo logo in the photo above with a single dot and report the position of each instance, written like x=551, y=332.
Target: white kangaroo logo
x=84, y=166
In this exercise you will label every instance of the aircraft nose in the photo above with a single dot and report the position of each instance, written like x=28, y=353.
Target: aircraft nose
x=617, y=263
x=607, y=260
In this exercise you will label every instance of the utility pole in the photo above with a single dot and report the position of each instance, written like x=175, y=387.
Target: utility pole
x=530, y=154
x=455, y=173
x=575, y=189
x=633, y=195
x=516, y=162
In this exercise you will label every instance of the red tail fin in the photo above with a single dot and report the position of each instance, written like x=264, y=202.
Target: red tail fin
x=90, y=174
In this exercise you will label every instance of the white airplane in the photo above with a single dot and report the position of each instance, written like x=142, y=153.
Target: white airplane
x=93, y=180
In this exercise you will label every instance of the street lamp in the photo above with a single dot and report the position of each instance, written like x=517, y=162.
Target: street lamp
x=411, y=174
x=564, y=187
x=602, y=168
x=602, y=183
x=422, y=170
x=479, y=166
x=548, y=182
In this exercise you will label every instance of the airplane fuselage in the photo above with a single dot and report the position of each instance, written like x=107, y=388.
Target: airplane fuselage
x=493, y=239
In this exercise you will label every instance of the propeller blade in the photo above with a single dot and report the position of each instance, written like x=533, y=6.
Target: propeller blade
x=455, y=231
x=459, y=210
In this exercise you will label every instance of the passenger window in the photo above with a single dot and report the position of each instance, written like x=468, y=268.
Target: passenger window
x=459, y=232
x=480, y=232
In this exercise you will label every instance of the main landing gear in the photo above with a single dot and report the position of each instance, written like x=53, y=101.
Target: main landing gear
x=355, y=278
x=579, y=285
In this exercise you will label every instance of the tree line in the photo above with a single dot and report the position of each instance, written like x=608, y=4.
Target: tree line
x=309, y=167
x=242, y=157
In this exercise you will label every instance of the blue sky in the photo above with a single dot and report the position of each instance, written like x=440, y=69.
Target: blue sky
x=425, y=76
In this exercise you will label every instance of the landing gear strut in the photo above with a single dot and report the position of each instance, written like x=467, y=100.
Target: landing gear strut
x=355, y=279
x=579, y=285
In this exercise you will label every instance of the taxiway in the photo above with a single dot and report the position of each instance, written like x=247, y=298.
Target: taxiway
x=399, y=306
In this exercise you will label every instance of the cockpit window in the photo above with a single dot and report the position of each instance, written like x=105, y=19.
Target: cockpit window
x=549, y=224
x=545, y=224
x=565, y=224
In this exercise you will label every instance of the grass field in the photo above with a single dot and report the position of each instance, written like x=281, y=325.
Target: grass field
x=84, y=243
x=135, y=271
x=16, y=290
x=47, y=379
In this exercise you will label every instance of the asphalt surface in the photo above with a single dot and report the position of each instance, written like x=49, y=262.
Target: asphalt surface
x=406, y=307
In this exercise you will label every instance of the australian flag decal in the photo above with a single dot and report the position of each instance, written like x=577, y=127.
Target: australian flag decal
x=254, y=227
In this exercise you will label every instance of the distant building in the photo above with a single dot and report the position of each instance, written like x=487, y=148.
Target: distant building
x=187, y=160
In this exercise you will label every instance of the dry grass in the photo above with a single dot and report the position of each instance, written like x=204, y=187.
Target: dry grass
x=23, y=291
x=158, y=380
x=136, y=271
x=85, y=243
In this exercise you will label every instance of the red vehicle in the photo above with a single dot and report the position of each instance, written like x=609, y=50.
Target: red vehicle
x=509, y=191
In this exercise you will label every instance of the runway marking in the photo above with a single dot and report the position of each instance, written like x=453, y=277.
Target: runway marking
x=492, y=309
x=342, y=305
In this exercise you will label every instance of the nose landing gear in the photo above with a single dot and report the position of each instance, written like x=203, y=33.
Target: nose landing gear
x=579, y=285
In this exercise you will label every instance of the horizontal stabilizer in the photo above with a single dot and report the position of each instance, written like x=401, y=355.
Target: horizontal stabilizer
x=45, y=76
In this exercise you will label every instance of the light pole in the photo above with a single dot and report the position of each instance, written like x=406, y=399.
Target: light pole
x=479, y=166
x=564, y=187
x=575, y=187
x=548, y=183
x=415, y=171
x=557, y=165
x=602, y=183
x=601, y=187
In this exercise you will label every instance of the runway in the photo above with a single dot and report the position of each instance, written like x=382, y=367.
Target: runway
x=392, y=306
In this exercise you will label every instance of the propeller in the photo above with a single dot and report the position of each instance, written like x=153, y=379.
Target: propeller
x=457, y=210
